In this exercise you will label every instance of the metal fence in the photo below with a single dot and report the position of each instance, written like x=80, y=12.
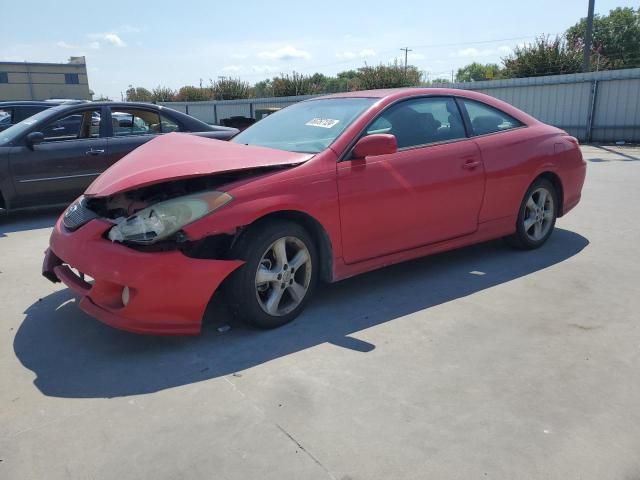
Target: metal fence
x=596, y=106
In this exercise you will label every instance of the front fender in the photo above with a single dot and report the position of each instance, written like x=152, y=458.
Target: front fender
x=316, y=198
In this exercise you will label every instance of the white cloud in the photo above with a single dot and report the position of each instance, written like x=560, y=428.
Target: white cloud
x=367, y=52
x=474, y=52
x=94, y=45
x=114, y=40
x=264, y=68
x=126, y=28
x=504, y=49
x=111, y=38
x=415, y=56
x=285, y=53
x=232, y=68
x=239, y=56
x=346, y=55
x=63, y=44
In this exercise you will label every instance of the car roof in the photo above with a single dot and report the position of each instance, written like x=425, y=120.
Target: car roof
x=396, y=92
x=28, y=103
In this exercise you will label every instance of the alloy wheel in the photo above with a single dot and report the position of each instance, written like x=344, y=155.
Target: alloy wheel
x=283, y=276
x=539, y=214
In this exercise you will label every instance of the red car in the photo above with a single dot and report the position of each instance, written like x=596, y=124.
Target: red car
x=323, y=190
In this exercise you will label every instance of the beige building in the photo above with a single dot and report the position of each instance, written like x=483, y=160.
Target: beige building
x=42, y=81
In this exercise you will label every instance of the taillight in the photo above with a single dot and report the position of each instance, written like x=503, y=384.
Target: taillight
x=573, y=140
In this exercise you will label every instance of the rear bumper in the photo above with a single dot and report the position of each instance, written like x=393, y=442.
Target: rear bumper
x=169, y=291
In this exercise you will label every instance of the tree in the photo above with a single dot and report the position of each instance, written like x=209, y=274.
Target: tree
x=189, y=93
x=476, y=72
x=545, y=56
x=163, y=94
x=263, y=88
x=387, y=76
x=231, y=89
x=616, y=38
x=138, y=94
x=297, y=84
x=440, y=81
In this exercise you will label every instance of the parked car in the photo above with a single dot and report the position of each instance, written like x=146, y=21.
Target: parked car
x=322, y=190
x=53, y=156
x=16, y=111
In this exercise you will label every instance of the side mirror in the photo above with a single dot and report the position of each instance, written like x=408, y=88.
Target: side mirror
x=34, y=138
x=375, y=144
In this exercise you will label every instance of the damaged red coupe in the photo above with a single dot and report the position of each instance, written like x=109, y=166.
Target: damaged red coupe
x=322, y=190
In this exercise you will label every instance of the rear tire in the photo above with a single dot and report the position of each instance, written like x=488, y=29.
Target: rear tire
x=536, y=217
x=278, y=277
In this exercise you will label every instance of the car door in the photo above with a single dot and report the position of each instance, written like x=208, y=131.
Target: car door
x=130, y=128
x=507, y=148
x=430, y=190
x=60, y=168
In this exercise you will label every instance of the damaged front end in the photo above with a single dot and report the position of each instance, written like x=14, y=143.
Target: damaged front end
x=151, y=218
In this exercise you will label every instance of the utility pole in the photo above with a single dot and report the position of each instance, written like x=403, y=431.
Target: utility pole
x=406, y=51
x=587, y=38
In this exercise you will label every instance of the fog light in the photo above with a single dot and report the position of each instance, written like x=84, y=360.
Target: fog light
x=125, y=296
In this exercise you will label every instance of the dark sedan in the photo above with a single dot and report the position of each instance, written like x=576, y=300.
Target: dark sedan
x=53, y=156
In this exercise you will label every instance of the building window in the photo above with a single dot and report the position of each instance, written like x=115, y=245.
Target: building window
x=4, y=77
x=71, y=78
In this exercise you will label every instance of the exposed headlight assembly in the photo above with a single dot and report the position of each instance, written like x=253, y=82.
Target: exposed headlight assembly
x=163, y=219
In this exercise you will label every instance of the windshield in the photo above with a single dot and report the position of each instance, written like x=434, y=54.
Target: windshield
x=307, y=127
x=15, y=131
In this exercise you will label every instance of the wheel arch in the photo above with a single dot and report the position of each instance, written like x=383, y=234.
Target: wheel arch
x=315, y=229
x=557, y=184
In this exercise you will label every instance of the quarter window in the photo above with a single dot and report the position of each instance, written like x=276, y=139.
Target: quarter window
x=127, y=122
x=4, y=77
x=167, y=125
x=485, y=119
x=421, y=121
x=71, y=78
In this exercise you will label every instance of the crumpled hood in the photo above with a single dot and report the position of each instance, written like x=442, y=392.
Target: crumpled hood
x=178, y=155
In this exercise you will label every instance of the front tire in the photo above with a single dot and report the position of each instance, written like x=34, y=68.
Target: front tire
x=536, y=217
x=278, y=277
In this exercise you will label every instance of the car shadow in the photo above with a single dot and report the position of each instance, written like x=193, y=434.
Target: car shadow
x=74, y=355
x=29, y=220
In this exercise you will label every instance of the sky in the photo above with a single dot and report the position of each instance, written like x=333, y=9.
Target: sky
x=172, y=43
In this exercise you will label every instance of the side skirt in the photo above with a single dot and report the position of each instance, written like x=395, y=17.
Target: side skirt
x=486, y=231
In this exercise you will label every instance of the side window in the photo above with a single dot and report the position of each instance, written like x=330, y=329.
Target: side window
x=485, y=119
x=127, y=122
x=421, y=121
x=80, y=125
x=167, y=125
x=5, y=117
x=4, y=77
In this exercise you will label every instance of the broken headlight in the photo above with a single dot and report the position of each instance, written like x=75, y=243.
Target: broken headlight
x=163, y=219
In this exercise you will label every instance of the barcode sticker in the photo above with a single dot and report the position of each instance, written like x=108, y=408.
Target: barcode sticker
x=322, y=122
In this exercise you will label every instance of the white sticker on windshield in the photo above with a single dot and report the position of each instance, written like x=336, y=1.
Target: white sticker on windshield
x=322, y=122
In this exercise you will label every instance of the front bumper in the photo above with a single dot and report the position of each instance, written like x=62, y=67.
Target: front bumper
x=169, y=291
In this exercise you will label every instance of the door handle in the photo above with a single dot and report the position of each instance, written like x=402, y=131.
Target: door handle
x=93, y=151
x=471, y=164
